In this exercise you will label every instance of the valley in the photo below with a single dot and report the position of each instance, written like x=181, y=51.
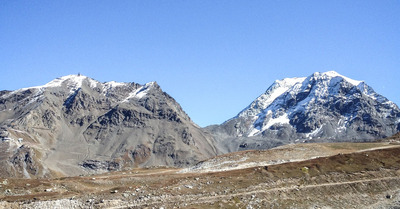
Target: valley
x=348, y=175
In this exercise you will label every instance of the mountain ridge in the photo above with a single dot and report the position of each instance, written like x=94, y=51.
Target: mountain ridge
x=76, y=125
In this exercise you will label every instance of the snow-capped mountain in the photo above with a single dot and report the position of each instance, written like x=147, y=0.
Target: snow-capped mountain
x=323, y=106
x=75, y=124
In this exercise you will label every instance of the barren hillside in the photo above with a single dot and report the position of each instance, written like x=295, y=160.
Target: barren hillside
x=351, y=175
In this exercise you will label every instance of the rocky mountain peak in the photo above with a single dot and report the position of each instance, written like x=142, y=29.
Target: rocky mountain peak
x=323, y=106
x=75, y=124
x=321, y=84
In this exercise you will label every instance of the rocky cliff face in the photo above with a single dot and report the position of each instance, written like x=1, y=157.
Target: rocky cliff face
x=75, y=125
x=320, y=107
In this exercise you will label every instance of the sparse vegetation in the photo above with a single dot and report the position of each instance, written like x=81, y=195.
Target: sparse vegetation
x=354, y=178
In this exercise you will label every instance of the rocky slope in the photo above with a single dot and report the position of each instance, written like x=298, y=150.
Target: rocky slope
x=352, y=175
x=321, y=107
x=74, y=125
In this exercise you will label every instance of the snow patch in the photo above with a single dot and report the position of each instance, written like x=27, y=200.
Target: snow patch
x=212, y=166
x=113, y=84
x=13, y=142
x=73, y=82
x=140, y=92
x=254, y=131
x=283, y=119
x=215, y=166
x=314, y=133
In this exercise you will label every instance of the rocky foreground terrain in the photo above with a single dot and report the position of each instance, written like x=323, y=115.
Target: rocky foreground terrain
x=330, y=175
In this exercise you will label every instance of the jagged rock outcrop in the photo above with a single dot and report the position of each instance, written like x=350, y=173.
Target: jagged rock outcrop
x=321, y=107
x=75, y=124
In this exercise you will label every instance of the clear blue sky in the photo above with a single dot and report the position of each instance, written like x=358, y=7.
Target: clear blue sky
x=213, y=57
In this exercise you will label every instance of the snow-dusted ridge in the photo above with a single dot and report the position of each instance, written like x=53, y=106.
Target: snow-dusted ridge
x=333, y=74
x=72, y=82
x=75, y=82
x=278, y=88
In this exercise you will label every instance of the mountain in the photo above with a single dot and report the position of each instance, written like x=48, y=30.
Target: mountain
x=76, y=125
x=321, y=107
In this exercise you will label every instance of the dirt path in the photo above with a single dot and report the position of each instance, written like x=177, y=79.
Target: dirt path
x=378, y=148
x=256, y=190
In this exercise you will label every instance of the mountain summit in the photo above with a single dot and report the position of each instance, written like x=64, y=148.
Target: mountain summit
x=321, y=107
x=75, y=124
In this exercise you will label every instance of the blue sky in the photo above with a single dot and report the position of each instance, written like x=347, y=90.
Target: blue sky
x=213, y=57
